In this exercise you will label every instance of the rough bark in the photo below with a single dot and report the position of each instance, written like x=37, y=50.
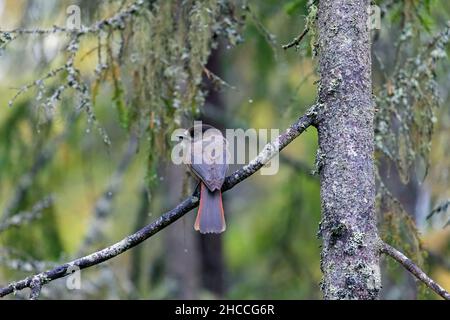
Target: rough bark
x=350, y=256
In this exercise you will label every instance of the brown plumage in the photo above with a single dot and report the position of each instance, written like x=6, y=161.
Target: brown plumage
x=207, y=152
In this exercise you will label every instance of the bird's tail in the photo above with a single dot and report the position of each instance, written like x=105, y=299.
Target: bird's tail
x=210, y=216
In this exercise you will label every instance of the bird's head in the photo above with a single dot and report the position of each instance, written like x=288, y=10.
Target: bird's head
x=195, y=132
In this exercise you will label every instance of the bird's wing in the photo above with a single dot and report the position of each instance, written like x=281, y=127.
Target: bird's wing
x=208, y=166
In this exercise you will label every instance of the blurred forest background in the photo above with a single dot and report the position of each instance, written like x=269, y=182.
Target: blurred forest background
x=85, y=147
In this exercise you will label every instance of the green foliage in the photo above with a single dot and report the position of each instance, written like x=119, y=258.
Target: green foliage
x=295, y=6
x=424, y=14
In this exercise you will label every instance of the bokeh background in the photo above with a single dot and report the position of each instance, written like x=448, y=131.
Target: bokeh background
x=100, y=192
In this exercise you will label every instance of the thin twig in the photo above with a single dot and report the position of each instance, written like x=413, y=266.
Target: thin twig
x=115, y=22
x=414, y=269
x=216, y=80
x=35, y=83
x=442, y=207
x=297, y=40
x=23, y=217
x=269, y=37
x=269, y=151
x=25, y=265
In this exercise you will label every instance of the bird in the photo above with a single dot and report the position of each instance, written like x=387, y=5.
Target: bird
x=206, y=156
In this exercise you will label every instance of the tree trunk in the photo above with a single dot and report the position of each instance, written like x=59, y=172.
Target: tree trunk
x=350, y=255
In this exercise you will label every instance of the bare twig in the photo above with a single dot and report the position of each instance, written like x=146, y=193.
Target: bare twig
x=26, y=216
x=414, y=269
x=216, y=80
x=270, y=150
x=117, y=21
x=297, y=40
x=442, y=207
x=269, y=37
x=25, y=265
x=35, y=83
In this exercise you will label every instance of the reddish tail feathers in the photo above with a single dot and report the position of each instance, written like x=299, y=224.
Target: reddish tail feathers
x=210, y=216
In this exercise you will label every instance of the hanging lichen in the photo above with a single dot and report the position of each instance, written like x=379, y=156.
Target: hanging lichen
x=161, y=46
x=311, y=20
x=406, y=105
x=169, y=48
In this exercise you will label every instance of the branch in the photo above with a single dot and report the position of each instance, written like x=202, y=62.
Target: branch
x=35, y=287
x=436, y=258
x=297, y=40
x=117, y=21
x=269, y=151
x=414, y=269
x=26, y=216
x=441, y=208
x=25, y=265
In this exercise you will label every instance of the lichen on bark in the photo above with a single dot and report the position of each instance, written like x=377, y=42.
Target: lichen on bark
x=350, y=256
